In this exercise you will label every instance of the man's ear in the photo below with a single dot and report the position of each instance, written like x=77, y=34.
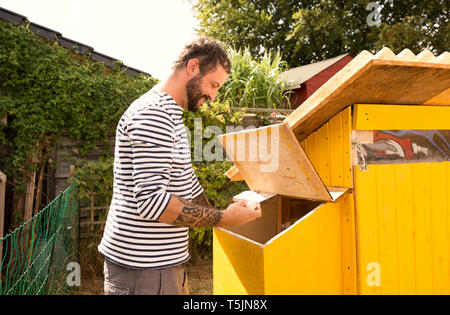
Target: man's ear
x=193, y=67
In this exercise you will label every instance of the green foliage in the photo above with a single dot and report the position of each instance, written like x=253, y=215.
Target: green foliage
x=95, y=176
x=259, y=25
x=218, y=188
x=307, y=31
x=200, y=244
x=47, y=90
x=94, y=180
x=255, y=83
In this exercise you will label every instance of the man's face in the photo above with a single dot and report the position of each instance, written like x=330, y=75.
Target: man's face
x=202, y=88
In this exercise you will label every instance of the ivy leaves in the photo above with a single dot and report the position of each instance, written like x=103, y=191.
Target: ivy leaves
x=48, y=90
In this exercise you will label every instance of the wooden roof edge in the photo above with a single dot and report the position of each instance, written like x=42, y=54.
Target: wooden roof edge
x=360, y=63
x=403, y=63
x=332, y=86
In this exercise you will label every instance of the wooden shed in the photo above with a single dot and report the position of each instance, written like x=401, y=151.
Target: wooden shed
x=304, y=80
x=354, y=187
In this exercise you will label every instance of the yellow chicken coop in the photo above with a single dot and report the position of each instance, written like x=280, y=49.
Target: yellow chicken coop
x=354, y=187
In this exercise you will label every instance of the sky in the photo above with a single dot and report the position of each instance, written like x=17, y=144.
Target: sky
x=144, y=34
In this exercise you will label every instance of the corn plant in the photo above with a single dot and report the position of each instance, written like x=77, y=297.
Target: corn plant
x=255, y=83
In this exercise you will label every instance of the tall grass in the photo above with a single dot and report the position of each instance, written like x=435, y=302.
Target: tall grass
x=255, y=83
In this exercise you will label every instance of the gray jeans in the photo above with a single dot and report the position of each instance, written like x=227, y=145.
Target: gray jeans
x=163, y=281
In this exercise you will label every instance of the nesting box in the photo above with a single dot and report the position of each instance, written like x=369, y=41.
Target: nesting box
x=354, y=187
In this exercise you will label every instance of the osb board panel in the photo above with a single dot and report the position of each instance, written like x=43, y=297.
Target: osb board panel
x=238, y=265
x=329, y=149
x=403, y=228
x=306, y=258
x=271, y=160
x=294, y=209
x=348, y=236
x=262, y=229
x=370, y=82
x=400, y=117
x=315, y=255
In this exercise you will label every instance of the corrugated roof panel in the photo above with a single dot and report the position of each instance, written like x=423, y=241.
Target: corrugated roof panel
x=444, y=58
x=406, y=55
x=385, y=54
x=426, y=56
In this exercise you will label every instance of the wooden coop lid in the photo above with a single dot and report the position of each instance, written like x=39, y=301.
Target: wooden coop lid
x=272, y=162
x=384, y=78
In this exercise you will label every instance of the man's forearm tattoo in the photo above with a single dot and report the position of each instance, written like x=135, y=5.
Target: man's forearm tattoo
x=196, y=214
x=202, y=201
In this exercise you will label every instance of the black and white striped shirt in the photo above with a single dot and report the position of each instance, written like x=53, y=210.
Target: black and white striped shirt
x=152, y=161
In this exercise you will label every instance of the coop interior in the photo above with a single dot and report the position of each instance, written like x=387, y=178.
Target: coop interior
x=278, y=214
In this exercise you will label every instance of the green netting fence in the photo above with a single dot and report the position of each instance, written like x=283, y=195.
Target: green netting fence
x=35, y=256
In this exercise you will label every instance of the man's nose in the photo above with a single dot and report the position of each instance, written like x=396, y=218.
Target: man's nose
x=212, y=96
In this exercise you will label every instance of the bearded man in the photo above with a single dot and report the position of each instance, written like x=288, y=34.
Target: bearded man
x=157, y=196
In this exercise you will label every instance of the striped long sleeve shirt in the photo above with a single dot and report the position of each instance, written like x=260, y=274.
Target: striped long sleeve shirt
x=152, y=161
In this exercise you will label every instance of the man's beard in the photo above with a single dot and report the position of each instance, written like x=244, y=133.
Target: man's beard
x=194, y=93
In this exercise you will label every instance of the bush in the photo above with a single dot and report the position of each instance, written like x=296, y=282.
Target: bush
x=218, y=188
x=94, y=176
x=214, y=117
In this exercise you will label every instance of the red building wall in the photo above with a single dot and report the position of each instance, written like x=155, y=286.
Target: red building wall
x=309, y=87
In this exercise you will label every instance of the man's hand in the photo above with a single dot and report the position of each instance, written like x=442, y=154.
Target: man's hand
x=199, y=213
x=240, y=213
